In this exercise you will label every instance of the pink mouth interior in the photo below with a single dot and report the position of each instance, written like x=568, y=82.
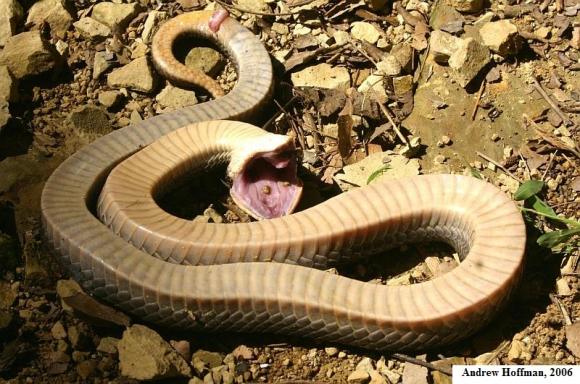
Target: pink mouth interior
x=268, y=186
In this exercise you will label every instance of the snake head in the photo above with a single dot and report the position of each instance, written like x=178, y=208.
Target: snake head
x=265, y=184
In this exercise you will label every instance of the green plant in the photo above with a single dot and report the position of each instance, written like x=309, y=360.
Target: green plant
x=377, y=173
x=528, y=193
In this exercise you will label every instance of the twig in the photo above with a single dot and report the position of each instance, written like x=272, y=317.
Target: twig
x=562, y=308
x=555, y=142
x=245, y=10
x=496, y=352
x=281, y=110
x=479, y=93
x=412, y=360
x=362, y=52
x=552, y=157
x=397, y=131
x=499, y=166
x=538, y=87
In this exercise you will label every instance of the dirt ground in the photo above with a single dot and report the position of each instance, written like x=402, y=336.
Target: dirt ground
x=419, y=119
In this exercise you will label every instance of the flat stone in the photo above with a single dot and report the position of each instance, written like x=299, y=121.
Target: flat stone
x=443, y=45
x=364, y=31
x=446, y=18
x=90, y=119
x=67, y=288
x=11, y=13
x=115, y=16
x=359, y=377
x=404, y=53
x=153, y=19
x=8, y=86
x=28, y=54
x=377, y=378
x=138, y=49
x=376, y=85
x=255, y=5
x=144, y=355
x=205, y=59
x=4, y=115
x=174, y=98
x=91, y=29
x=331, y=351
x=52, y=12
x=402, y=84
x=341, y=37
x=501, y=37
x=359, y=172
x=57, y=331
x=468, y=61
x=101, y=64
x=467, y=6
x=209, y=359
x=108, y=345
x=110, y=99
x=390, y=66
x=519, y=352
x=322, y=76
x=137, y=75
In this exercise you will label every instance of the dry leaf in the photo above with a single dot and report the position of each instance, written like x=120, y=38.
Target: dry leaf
x=345, y=124
x=89, y=309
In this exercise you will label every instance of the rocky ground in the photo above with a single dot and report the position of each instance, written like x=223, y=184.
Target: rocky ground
x=368, y=89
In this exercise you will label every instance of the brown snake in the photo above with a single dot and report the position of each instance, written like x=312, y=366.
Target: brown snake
x=285, y=296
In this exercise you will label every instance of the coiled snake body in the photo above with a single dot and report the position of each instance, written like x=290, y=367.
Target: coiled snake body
x=284, y=296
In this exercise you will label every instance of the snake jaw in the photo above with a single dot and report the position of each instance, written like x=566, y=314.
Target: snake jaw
x=265, y=184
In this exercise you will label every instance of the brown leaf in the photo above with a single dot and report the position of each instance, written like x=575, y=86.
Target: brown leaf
x=91, y=310
x=345, y=124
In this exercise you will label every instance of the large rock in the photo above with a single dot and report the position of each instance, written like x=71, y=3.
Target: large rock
x=468, y=61
x=137, y=75
x=446, y=18
x=362, y=30
x=322, y=76
x=115, y=16
x=4, y=115
x=174, y=98
x=52, y=12
x=205, y=59
x=8, y=85
x=152, y=20
x=28, y=54
x=501, y=37
x=11, y=13
x=91, y=29
x=144, y=355
x=443, y=45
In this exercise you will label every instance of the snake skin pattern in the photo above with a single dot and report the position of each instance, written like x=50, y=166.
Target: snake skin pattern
x=286, y=296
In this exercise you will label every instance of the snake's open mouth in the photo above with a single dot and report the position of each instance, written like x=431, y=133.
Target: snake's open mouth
x=267, y=186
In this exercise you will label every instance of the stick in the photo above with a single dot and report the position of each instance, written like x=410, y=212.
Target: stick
x=412, y=360
x=499, y=166
x=562, y=309
x=538, y=87
x=479, y=93
x=397, y=131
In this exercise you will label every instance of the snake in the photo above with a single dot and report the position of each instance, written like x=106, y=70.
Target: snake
x=268, y=275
